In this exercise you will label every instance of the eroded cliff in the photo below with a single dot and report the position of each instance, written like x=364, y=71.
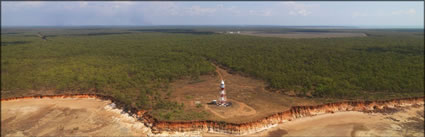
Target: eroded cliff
x=165, y=127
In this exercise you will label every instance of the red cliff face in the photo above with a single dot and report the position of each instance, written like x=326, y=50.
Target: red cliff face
x=248, y=127
x=272, y=120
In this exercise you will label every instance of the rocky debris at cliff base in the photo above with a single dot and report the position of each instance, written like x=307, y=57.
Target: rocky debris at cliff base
x=387, y=110
x=125, y=120
x=392, y=110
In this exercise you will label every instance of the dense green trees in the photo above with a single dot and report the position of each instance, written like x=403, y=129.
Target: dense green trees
x=137, y=66
x=339, y=67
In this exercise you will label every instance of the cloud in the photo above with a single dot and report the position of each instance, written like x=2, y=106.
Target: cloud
x=298, y=9
x=71, y=13
x=402, y=12
x=83, y=4
x=260, y=12
x=197, y=10
x=301, y=12
x=173, y=9
x=163, y=13
x=231, y=10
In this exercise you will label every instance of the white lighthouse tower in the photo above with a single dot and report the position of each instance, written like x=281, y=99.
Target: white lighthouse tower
x=222, y=99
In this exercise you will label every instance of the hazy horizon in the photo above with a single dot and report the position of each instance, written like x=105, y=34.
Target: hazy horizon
x=280, y=26
x=351, y=14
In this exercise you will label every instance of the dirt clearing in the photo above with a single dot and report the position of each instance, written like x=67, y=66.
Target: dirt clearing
x=65, y=117
x=251, y=100
x=238, y=109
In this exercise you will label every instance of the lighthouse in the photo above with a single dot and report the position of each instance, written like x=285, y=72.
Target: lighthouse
x=222, y=99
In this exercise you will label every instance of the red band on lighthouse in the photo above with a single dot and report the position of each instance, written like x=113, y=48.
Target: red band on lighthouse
x=222, y=99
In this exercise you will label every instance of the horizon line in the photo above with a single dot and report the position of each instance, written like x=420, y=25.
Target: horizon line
x=241, y=25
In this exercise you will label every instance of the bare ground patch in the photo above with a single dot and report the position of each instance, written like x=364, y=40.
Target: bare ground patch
x=248, y=94
x=238, y=109
x=64, y=117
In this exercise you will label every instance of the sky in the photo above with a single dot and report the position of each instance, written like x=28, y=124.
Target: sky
x=285, y=13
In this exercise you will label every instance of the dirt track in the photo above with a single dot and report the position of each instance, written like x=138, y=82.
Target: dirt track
x=236, y=110
x=64, y=117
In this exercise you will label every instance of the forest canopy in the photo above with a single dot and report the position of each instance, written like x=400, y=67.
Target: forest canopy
x=137, y=66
